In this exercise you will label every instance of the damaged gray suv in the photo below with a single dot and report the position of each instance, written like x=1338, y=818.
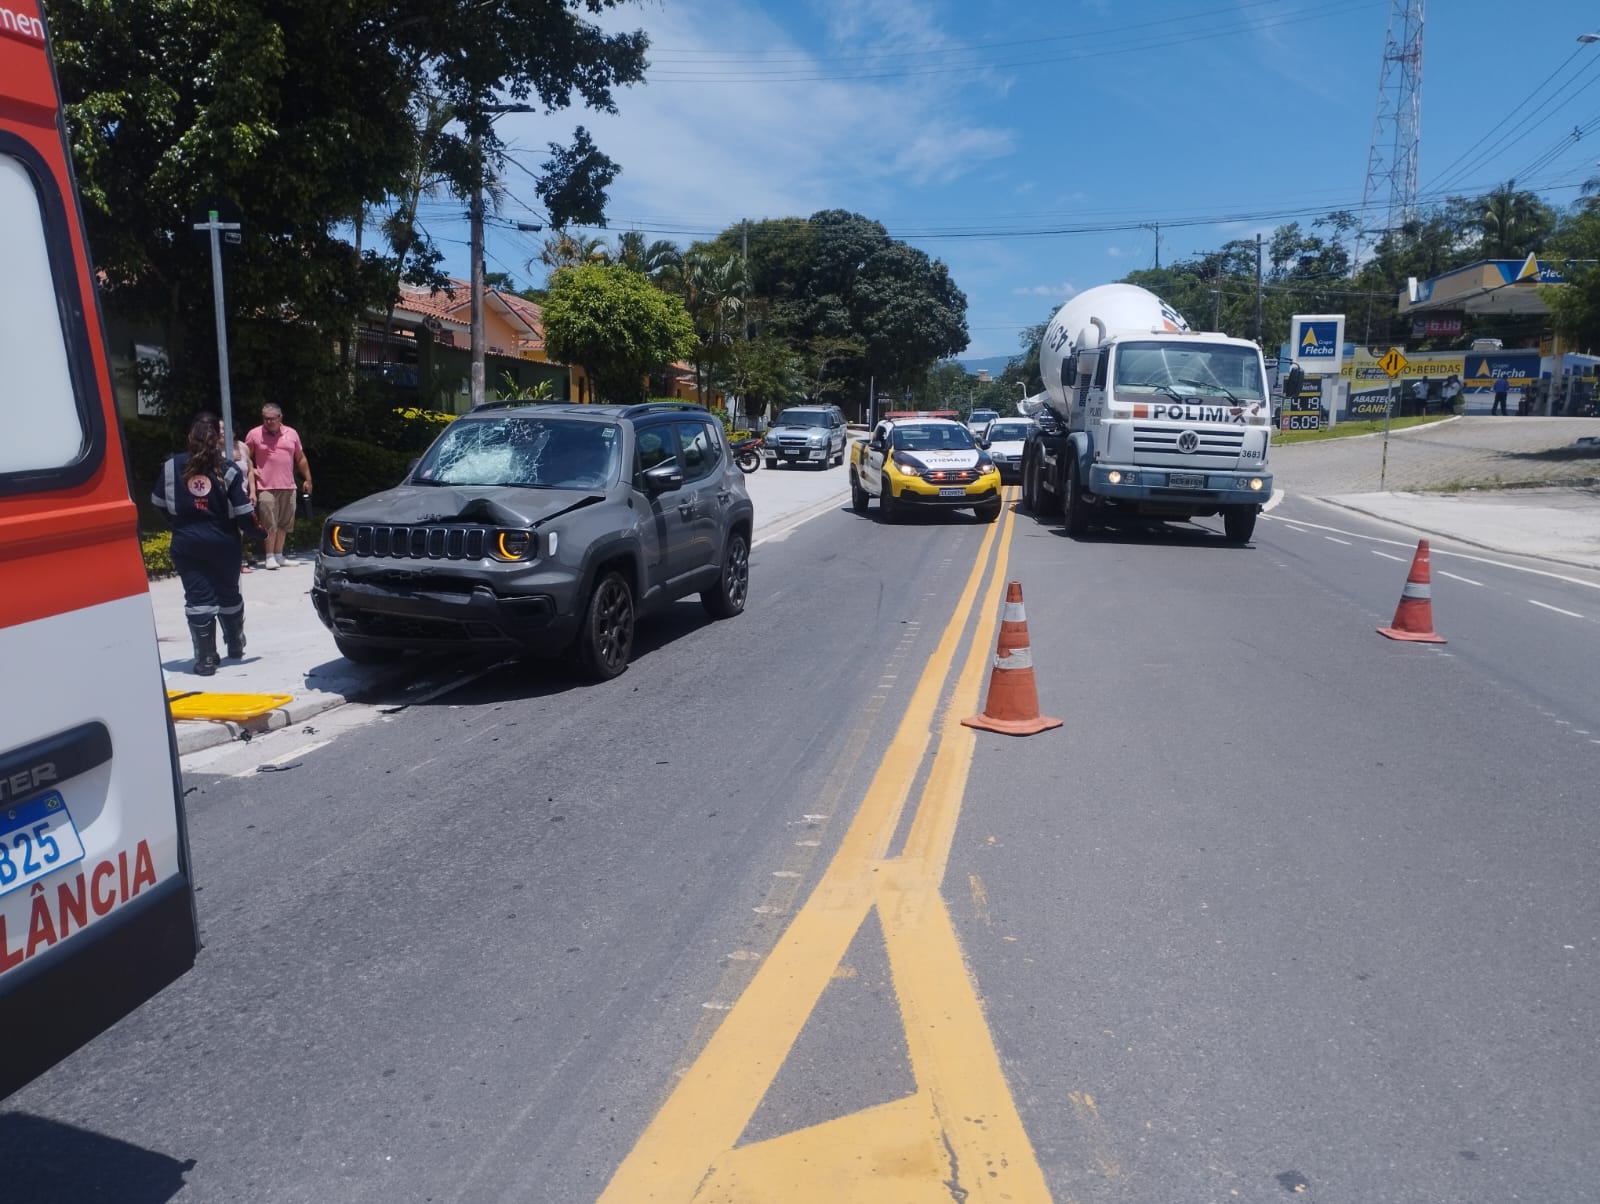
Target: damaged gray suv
x=540, y=529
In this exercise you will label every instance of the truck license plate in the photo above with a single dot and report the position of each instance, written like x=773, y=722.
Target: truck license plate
x=1183, y=480
x=37, y=838
x=948, y=492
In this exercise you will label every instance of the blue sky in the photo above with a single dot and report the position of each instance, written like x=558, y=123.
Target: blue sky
x=966, y=126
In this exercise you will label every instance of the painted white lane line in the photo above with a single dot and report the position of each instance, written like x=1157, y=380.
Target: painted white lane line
x=1345, y=542
x=1571, y=614
x=1386, y=556
x=1437, y=552
x=1467, y=580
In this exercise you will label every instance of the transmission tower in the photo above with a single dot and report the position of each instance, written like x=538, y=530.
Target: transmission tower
x=1397, y=127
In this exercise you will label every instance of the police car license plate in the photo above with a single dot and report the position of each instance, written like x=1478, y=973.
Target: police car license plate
x=1182, y=480
x=948, y=492
x=37, y=838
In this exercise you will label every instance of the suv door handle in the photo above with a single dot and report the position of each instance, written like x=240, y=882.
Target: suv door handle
x=687, y=509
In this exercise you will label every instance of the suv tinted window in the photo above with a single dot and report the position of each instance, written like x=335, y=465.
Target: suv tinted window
x=804, y=418
x=702, y=449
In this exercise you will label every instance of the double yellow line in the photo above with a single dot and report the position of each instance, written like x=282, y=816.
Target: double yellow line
x=960, y=1131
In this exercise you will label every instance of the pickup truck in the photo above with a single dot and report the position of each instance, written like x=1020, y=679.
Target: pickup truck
x=923, y=464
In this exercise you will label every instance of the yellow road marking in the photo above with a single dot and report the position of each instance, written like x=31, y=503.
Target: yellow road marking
x=960, y=1131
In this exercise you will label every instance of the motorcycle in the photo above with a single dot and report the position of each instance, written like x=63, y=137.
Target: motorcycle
x=747, y=454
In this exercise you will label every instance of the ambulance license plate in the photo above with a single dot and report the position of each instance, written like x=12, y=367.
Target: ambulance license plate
x=1182, y=480
x=37, y=838
x=957, y=492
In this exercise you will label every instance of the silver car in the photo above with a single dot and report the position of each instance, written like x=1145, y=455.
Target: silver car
x=806, y=435
x=1005, y=440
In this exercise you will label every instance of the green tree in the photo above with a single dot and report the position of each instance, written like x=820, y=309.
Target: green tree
x=765, y=371
x=1513, y=223
x=616, y=326
x=651, y=259
x=303, y=114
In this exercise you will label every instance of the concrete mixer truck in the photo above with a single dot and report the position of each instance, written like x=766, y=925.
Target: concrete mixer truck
x=1142, y=417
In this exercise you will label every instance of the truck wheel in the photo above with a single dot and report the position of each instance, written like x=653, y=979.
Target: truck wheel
x=988, y=512
x=1074, y=506
x=605, y=641
x=888, y=510
x=858, y=495
x=1239, y=525
x=1030, y=487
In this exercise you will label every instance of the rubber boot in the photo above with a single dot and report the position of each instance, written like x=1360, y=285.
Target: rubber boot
x=233, y=633
x=205, y=648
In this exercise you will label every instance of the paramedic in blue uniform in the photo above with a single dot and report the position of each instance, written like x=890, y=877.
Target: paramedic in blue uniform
x=205, y=496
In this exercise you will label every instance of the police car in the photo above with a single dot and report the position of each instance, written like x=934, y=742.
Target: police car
x=923, y=463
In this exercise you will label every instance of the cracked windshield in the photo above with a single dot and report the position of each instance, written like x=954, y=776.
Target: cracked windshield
x=538, y=454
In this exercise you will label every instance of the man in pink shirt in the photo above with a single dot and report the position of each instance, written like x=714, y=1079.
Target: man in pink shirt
x=276, y=451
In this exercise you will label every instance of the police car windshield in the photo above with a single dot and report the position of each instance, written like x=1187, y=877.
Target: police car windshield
x=1009, y=432
x=803, y=418
x=1188, y=370
x=931, y=438
x=529, y=453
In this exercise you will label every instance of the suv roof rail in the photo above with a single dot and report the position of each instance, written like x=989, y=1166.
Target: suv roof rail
x=661, y=407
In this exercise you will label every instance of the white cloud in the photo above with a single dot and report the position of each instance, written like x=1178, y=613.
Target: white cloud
x=1114, y=252
x=1065, y=289
x=699, y=153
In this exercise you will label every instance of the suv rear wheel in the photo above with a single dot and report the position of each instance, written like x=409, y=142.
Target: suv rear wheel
x=733, y=587
x=606, y=639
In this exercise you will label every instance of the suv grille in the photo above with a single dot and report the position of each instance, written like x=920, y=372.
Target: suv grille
x=1163, y=440
x=423, y=543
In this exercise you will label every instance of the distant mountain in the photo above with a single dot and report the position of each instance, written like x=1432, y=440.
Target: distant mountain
x=996, y=364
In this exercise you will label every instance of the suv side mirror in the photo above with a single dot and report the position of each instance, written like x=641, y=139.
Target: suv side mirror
x=663, y=478
x=877, y=444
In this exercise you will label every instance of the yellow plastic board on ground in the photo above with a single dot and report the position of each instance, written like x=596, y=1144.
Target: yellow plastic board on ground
x=200, y=704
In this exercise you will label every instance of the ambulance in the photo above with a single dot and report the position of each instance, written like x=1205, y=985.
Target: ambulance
x=96, y=898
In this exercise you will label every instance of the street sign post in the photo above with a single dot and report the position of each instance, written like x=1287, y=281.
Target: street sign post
x=1393, y=364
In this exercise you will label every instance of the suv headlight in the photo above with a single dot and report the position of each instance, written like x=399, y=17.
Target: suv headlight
x=907, y=466
x=338, y=539
x=818, y=440
x=512, y=545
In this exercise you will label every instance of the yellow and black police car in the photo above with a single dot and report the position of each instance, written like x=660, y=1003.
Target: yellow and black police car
x=915, y=463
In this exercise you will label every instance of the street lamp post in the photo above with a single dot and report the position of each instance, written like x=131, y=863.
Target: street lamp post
x=475, y=213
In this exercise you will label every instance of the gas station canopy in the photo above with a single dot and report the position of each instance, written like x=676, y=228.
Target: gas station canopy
x=1490, y=286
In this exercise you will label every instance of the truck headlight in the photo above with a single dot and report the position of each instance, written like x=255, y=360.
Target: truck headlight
x=1256, y=483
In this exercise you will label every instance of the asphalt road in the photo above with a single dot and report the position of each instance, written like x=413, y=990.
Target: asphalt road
x=1283, y=908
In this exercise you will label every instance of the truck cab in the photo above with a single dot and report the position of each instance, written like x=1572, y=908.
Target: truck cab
x=1160, y=424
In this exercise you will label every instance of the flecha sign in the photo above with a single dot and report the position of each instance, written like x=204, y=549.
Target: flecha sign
x=1316, y=342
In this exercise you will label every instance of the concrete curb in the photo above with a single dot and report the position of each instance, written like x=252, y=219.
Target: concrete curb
x=1432, y=533
x=197, y=734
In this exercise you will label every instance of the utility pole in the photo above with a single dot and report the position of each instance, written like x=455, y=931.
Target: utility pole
x=213, y=227
x=1258, y=289
x=475, y=215
x=1155, y=228
x=1216, y=307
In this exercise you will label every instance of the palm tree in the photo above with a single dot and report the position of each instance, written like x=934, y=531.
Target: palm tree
x=1513, y=223
x=713, y=289
x=563, y=249
x=650, y=260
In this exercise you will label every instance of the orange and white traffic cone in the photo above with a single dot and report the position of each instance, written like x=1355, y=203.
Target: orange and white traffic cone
x=1013, y=706
x=1413, y=618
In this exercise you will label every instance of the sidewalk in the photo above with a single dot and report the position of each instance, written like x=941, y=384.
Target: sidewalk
x=289, y=651
x=1556, y=524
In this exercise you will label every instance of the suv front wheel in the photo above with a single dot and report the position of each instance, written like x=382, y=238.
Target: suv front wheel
x=606, y=640
x=727, y=598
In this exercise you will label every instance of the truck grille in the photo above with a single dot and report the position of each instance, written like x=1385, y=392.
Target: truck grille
x=422, y=543
x=1163, y=441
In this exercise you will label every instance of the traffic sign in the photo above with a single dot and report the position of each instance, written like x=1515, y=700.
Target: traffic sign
x=1393, y=362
